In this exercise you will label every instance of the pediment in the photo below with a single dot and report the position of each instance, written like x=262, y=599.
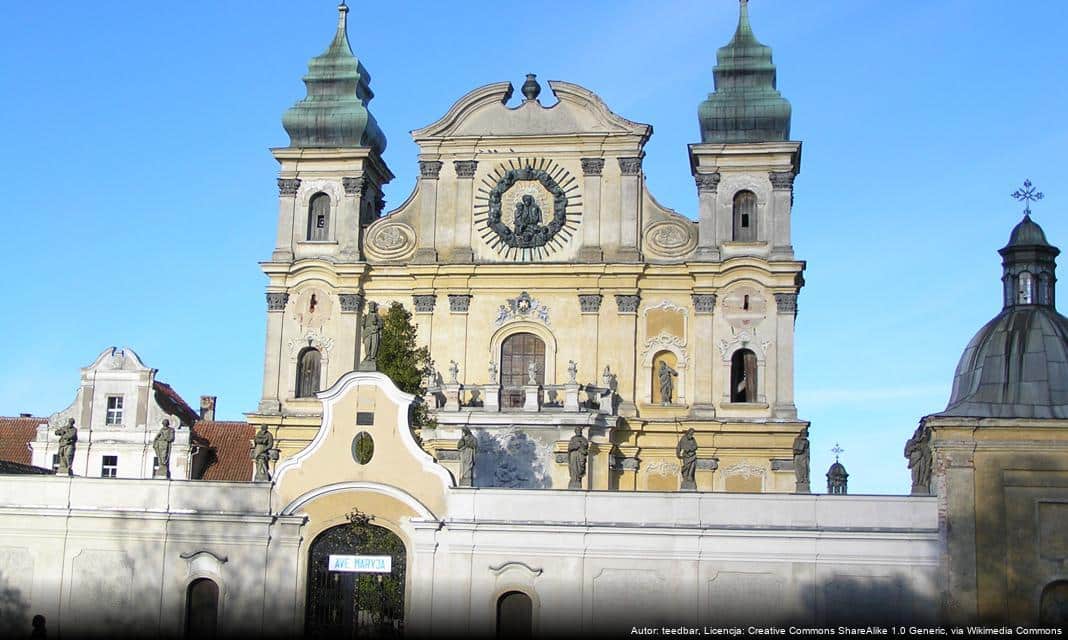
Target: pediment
x=484, y=112
x=115, y=359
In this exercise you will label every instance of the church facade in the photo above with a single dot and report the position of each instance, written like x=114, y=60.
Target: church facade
x=568, y=483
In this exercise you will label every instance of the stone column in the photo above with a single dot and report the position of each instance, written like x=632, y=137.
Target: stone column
x=465, y=174
x=782, y=201
x=708, y=242
x=347, y=228
x=272, y=361
x=784, y=407
x=629, y=195
x=287, y=202
x=591, y=210
x=705, y=358
x=627, y=325
x=428, y=206
x=349, y=341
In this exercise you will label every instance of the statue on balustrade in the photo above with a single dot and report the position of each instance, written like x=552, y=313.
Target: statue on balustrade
x=261, y=452
x=162, y=445
x=578, y=449
x=918, y=452
x=467, y=446
x=686, y=451
x=68, y=437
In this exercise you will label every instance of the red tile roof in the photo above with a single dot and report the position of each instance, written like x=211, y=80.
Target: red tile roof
x=226, y=446
x=173, y=403
x=15, y=437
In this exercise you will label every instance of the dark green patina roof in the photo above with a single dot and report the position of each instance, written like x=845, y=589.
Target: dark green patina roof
x=746, y=106
x=335, y=112
x=1027, y=233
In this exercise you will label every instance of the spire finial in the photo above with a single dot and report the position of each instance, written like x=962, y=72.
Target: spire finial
x=1027, y=195
x=342, y=10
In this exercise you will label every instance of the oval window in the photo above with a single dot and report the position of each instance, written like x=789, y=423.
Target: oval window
x=363, y=447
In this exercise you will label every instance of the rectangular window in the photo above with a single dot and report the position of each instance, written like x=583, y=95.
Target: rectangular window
x=110, y=467
x=114, y=415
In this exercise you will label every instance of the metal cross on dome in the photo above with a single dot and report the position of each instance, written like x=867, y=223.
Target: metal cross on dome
x=1027, y=195
x=837, y=450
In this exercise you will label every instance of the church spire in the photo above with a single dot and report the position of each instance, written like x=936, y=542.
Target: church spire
x=334, y=113
x=745, y=106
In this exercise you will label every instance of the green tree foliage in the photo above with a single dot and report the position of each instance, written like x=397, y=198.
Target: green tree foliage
x=406, y=365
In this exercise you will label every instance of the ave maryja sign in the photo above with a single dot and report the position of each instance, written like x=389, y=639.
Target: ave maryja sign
x=361, y=564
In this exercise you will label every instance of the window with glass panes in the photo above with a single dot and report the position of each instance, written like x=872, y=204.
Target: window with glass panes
x=109, y=467
x=114, y=414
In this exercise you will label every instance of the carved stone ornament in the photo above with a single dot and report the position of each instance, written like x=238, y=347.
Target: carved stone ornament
x=627, y=303
x=781, y=179
x=707, y=464
x=592, y=166
x=670, y=239
x=351, y=302
x=429, y=169
x=664, y=341
x=707, y=182
x=630, y=166
x=424, y=303
x=527, y=230
x=590, y=302
x=621, y=463
x=353, y=186
x=704, y=302
x=745, y=470
x=288, y=186
x=663, y=468
x=389, y=241
x=745, y=339
x=459, y=303
x=465, y=168
x=786, y=302
x=522, y=307
x=277, y=301
x=311, y=339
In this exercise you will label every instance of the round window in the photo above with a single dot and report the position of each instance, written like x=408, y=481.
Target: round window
x=363, y=447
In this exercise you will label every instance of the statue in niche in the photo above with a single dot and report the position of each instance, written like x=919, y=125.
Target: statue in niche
x=667, y=386
x=801, y=459
x=686, y=451
x=263, y=451
x=162, y=445
x=467, y=446
x=578, y=449
x=572, y=372
x=918, y=452
x=68, y=436
x=372, y=336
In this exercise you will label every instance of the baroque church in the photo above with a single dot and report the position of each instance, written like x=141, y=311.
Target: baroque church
x=566, y=483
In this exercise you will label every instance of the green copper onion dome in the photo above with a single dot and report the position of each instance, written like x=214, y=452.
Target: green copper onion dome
x=335, y=112
x=746, y=106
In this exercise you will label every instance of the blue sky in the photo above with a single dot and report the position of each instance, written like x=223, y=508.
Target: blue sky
x=141, y=195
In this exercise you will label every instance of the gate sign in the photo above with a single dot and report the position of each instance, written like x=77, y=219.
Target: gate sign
x=361, y=564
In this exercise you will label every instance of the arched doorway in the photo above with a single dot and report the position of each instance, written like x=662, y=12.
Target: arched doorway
x=1053, y=608
x=515, y=613
x=344, y=604
x=518, y=351
x=201, y=609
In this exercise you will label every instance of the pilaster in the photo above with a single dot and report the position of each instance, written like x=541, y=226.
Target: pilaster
x=276, y=304
x=782, y=200
x=462, y=229
x=287, y=202
x=591, y=210
x=428, y=205
x=707, y=238
x=704, y=358
x=629, y=195
x=786, y=305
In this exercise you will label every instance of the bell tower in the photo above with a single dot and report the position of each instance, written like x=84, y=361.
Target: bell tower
x=329, y=190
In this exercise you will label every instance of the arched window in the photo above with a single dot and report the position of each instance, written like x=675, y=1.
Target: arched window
x=1053, y=608
x=201, y=609
x=743, y=376
x=1044, y=289
x=1025, y=293
x=745, y=210
x=515, y=614
x=319, y=217
x=309, y=363
x=518, y=352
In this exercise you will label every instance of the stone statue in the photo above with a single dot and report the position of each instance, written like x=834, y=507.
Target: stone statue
x=467, y=446
x=578, y=448
x=372, y=336
x=667, y=385
x=572, y=372
x=532, y=373
x=527, y=215
x=686, y=451
x=454, y=372
x=162, y=444
x=492, y=372
x=801, y=461
x=68, y=436
x=262, y=452
x=918, y=452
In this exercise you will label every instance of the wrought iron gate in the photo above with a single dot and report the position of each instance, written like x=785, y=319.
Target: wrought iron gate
x=355, y=605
